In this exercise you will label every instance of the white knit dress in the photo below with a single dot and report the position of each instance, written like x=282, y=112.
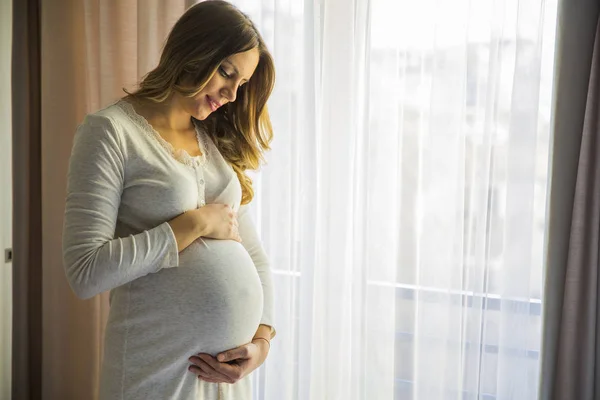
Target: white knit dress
x=124, y=183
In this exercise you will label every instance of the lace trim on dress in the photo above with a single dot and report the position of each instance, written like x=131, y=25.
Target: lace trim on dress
x=179, y=155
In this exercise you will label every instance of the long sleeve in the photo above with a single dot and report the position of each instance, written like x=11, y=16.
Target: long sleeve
x=253, y=245
x=94, y=260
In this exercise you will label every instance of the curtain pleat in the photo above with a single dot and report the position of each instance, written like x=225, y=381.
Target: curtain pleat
x=402, y=206
x=27, y=202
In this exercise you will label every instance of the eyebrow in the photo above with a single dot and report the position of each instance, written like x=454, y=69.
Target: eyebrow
x=235, y=68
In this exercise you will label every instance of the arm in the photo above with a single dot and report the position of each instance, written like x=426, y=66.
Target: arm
x=232, y=365
x=253, y=245
x=94, y=261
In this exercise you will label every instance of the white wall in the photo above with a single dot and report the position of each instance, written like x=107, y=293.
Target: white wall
x=5, y=196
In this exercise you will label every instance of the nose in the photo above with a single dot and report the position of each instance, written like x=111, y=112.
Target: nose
x=229, y=92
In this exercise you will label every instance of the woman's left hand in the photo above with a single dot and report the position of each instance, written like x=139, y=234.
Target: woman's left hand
x=231, y=365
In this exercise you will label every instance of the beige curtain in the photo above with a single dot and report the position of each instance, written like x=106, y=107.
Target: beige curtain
x=571, y=352
x=90, y=50
x=26, y=368
x=5, y=198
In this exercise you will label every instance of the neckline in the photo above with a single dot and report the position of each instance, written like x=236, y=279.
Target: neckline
x=180, y=155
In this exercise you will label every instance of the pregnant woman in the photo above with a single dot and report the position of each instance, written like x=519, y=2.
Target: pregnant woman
x=156, y=212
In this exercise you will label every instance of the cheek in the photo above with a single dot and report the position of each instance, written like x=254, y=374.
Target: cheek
x=199, y=100
x=198, y=107
x=212, y=85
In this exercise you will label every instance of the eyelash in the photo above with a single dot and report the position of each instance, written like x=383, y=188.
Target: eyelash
x=224, y=74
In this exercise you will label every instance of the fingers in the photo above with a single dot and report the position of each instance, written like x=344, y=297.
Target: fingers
x=224, y=223
x=234, y=232
x=236, y=235
x=234, y=354
x=232, y=371
x=206, y=377
x=233, y=223
x=206, y=371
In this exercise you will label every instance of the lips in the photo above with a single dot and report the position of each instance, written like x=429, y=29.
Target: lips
x=213, y=104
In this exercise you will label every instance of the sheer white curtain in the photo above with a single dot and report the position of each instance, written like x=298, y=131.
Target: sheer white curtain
x=403, y=204
x=404, y=201
x=5, y=198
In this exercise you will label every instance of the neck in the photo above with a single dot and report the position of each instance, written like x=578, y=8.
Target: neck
x=168, y=115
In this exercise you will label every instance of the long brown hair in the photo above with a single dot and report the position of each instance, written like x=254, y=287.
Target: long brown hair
x=205, y=35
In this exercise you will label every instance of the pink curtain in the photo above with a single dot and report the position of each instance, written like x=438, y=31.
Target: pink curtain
x=90, y=49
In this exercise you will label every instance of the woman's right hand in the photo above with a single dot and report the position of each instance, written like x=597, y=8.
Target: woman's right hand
x=218, y=221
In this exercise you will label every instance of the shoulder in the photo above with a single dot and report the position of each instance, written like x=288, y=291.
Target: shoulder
x=102, y=129
x=111, y=118
x=109, y=123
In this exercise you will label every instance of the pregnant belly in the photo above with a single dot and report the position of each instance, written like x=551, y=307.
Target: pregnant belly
x=212, y=302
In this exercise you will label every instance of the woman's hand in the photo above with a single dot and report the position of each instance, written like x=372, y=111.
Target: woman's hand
x=231, y=365
x=218, y=221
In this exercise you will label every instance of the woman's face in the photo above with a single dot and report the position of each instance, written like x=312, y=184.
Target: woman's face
x=234, y=72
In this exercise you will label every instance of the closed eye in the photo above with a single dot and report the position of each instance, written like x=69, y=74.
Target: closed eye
x=224, y=73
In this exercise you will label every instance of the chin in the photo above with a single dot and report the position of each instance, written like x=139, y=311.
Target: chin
x=202, y=114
